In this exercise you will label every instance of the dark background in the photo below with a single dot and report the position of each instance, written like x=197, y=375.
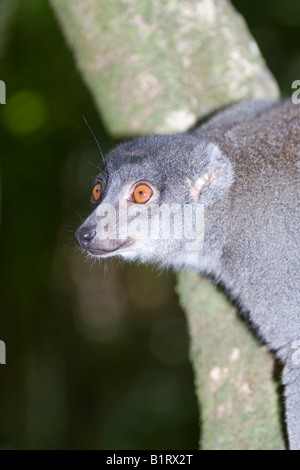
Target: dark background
x=97, y=355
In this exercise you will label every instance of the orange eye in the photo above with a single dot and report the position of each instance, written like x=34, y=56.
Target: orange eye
x=142, y=193
x=97, y=192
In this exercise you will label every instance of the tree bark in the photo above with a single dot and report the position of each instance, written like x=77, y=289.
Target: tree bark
x=158, y=67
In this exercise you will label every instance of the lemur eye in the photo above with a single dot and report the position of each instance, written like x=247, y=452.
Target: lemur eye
x=142, y=193
x=97, y=192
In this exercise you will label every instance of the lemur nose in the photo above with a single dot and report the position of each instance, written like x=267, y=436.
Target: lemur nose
x=85, y=236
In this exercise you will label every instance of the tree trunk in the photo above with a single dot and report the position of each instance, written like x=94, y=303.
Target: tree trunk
x=157, y=67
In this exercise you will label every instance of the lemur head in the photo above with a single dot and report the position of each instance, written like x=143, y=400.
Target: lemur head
x=150, y=198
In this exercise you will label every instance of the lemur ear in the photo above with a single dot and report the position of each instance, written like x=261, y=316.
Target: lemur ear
x=215, y=178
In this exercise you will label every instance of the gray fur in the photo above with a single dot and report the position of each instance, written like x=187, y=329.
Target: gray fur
x=249, y=155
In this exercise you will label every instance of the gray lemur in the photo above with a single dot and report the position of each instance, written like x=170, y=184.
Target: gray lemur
x=240, y=167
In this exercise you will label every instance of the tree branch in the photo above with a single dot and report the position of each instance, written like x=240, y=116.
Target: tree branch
x=157, y=67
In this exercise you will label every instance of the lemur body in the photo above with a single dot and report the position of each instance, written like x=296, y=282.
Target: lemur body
x=242, y=166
